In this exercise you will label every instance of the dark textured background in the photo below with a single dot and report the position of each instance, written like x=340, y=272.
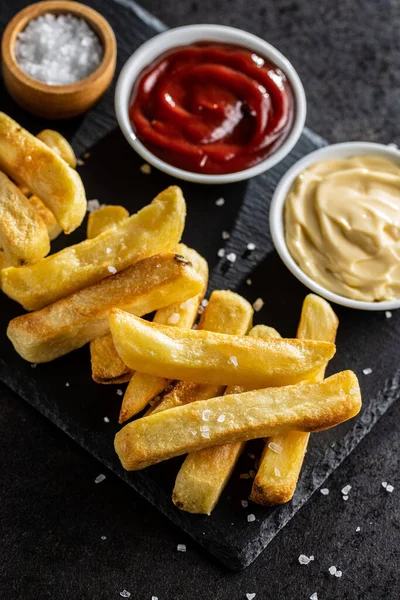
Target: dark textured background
x=53, y=515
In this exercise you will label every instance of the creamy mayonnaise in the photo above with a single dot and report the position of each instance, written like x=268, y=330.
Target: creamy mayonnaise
x=342, y=226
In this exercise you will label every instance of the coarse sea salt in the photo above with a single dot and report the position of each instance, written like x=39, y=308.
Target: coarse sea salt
x=314, y=596
x=181, y=547
x=125, y=594
x=388, y=314
x=304, y=560
x=251, y=518
x=100, y=478
x=232, y=360
x=221, y=252
x=93, y=205
x=58, y=49
x=220, y=202
x=324, y=491
x=174, y=318
x=251, y=246
x=231, y=257
x=112, y=270
x=367, y=371
x=275, y=447
x=226, y=235
x=346, y=489
x=244, y=503
x=258, y=304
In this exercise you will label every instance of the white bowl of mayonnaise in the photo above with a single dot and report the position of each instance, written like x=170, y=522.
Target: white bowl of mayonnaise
x=335, y=223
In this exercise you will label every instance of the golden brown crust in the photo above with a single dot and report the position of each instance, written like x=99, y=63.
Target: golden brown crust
x=29, y=161
x=105, y=217
x=250, y=415
x=59, y=145
x=73, y=321
x=107, y=367
x=156, y=228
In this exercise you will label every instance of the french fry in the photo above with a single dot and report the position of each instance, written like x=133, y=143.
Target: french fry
x=23, y=233
x=209, y=357
x=204, y=474
x=29, y=161
x=73, y=321
x=107, y=367
x=256, y=414
x=53, y=228
x=59, y=145
x=278, y=473
x=104, y=218
x=143, y=387
x=228, y=313
x=154, y=229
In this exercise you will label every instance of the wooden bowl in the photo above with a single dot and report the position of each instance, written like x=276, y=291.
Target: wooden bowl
x=57, y=101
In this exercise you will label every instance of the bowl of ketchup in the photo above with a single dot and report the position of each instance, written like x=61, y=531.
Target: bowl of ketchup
x=210, y=104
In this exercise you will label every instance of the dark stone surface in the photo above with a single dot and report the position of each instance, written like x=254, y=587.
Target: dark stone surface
x=52, y=533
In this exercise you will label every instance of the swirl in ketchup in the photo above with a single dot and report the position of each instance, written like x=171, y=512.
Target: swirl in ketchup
x=212, y=108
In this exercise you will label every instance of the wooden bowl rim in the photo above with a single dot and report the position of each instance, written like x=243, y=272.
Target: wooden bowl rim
x=95, y=20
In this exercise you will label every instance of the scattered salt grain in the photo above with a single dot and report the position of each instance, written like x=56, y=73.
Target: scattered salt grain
x=388, y=487
x=304, y=560
x=226, y=235
x=346, y=489
x=205, y=431
x=154, y=598
x=204, y=302
x=100, y=478
x=314, y=596
x=221, y=418
x=251, y=518
x=108, y=250
x=277, y=472
x=358, y=528
x=33, y=366
x=181, y=547
x=221, y=252
x=275, y=447
x=345, y=498
x=67, y=384
x=106, y=420
x=250, y=246
x=338, y=573
x=332, y=570
x=249, y=281
x=174, y=318
x=244, y=503
x=120, y=392
x=353, y=391
x=232, y=360
x=388, y=314
x=220, y=202
x=231, y=257
x=200, y=310
x=324, y=491
x=250, y=596
x=112, y=270
x=125, y=594
x=367, y=371
x=186, y=304
x=146, y=169
x=205, y=415
x=103, y=537
x=244, y=476
x=258, y=304
x=93, y=205
x=58, y=49
x=80, y=162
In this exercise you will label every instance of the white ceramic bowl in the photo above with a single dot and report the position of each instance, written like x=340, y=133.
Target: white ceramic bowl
x=276, y=218
x=190, y=34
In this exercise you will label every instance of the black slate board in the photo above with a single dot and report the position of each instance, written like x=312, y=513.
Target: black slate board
x=112, y=175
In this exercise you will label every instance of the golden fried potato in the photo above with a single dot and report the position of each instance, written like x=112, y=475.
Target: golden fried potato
x=278, y=473
x=73, y=321
x=59, y=145
x=53, y=228
x=23, y=233
x=237, y=417
x=143, y=387
x=204, y=474
x=209, y=357
x=156, y=228
x=29, y=161
x=104, y=218
x=228, y=313
x=107, y=366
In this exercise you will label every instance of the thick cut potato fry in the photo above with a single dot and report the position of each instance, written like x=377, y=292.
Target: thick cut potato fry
x=23, y=233
x=204, y=474
x=143, y=387
x=209, y=357
x=156, y=228
x=278, y=473
x=228, y=313
x=59, y=145
x=104, y=218
x=72, y=322
x=31, y=162
x=256, y=414
x=53, y=228
x=107, y=367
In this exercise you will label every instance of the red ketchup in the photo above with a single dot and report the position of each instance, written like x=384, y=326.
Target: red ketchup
x=212, y=108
